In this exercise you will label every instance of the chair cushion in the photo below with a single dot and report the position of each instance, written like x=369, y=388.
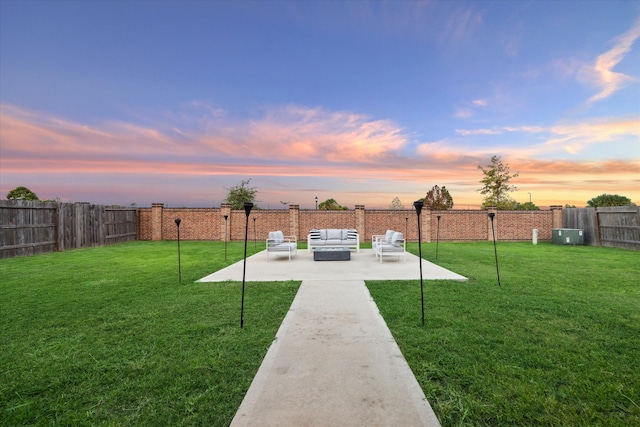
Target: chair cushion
x=388, y=235
x=396, y=238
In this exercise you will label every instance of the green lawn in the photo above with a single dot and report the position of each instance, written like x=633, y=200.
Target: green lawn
x=108, y=336
x=557, y=344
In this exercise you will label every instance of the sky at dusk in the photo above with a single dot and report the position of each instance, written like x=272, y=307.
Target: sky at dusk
x=120, y=102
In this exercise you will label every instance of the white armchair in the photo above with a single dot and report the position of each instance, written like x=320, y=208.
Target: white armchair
x=397, y=246
x=278, y=243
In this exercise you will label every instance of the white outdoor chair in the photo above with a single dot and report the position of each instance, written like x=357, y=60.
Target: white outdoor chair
x=397, y=246
x=278, y=243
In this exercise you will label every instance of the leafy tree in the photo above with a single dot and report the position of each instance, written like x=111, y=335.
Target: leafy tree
x=527, y=206
x=22, y=193
x=240, y=194
x=496, y=185
x=438, y=199
x=569, y=206
x=609, y=200
x=331, y=205
x=396, y=204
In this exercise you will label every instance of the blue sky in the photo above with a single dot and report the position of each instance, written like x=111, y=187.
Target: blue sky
x=164, y=101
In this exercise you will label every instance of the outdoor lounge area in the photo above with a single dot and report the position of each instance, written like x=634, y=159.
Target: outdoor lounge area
x=361, y=266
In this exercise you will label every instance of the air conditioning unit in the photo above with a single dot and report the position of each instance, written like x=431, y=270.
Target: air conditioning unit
x=567, y=236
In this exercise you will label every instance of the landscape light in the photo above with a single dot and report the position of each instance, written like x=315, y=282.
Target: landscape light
x=178, y=220
x=247, y=210
x=418, y=204
x=495, y=250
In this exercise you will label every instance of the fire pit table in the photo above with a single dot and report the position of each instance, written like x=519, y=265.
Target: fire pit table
x=331, y=254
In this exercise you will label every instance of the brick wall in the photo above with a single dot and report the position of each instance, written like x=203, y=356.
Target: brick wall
x=158, y=223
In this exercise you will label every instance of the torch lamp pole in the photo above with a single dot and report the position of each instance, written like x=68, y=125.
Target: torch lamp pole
x=225, y=236
x=406, y=227
x=255, y=236
x=495, y=250
x=418, y=204
x=437, y=235
x=178, y=220
x=247, y=210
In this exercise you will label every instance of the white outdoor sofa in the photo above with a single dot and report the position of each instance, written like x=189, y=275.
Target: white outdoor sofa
x=392, y=243
x=278, y=243
x=333, y=238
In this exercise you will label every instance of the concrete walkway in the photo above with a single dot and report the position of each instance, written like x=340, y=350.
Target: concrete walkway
x=334, y=361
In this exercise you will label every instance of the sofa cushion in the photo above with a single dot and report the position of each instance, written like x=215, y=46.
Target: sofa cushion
x=334, y=234
x=323, y=234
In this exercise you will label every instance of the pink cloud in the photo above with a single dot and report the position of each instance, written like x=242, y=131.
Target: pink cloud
x=371, y=158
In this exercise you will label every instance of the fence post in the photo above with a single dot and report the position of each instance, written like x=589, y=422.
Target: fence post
x=556, y=212
x=294, y=220
x=427, y=224
x=360, y=222
x=156, y=220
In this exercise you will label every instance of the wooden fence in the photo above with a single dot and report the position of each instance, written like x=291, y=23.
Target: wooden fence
x=617, y=226
x=29, y=228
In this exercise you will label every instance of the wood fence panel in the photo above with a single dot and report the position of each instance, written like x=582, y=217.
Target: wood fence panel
x=121, y=225
x=583, y=219
x=620, y=226
x=30, y=228
x=26, y=228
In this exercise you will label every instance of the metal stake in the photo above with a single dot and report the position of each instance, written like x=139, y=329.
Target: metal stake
x=225, y=236
x=495, y=250
x=437, y=235
x=418, y=204
x=177, y=220
x=247, y=209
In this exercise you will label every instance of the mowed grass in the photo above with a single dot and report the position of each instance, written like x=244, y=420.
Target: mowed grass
x=557, y=344
x=108, y=336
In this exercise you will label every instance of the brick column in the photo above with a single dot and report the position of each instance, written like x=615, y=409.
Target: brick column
x=360, y=222
x=556, y=212
x=294, y=220
x=225, y=234
x=426, y=221
x=495, y=223
x=156, y=220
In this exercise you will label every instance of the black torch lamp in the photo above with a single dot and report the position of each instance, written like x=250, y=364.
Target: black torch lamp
x=495, y=250
x=247, y=210
x=418, y=204
x=178, y=220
